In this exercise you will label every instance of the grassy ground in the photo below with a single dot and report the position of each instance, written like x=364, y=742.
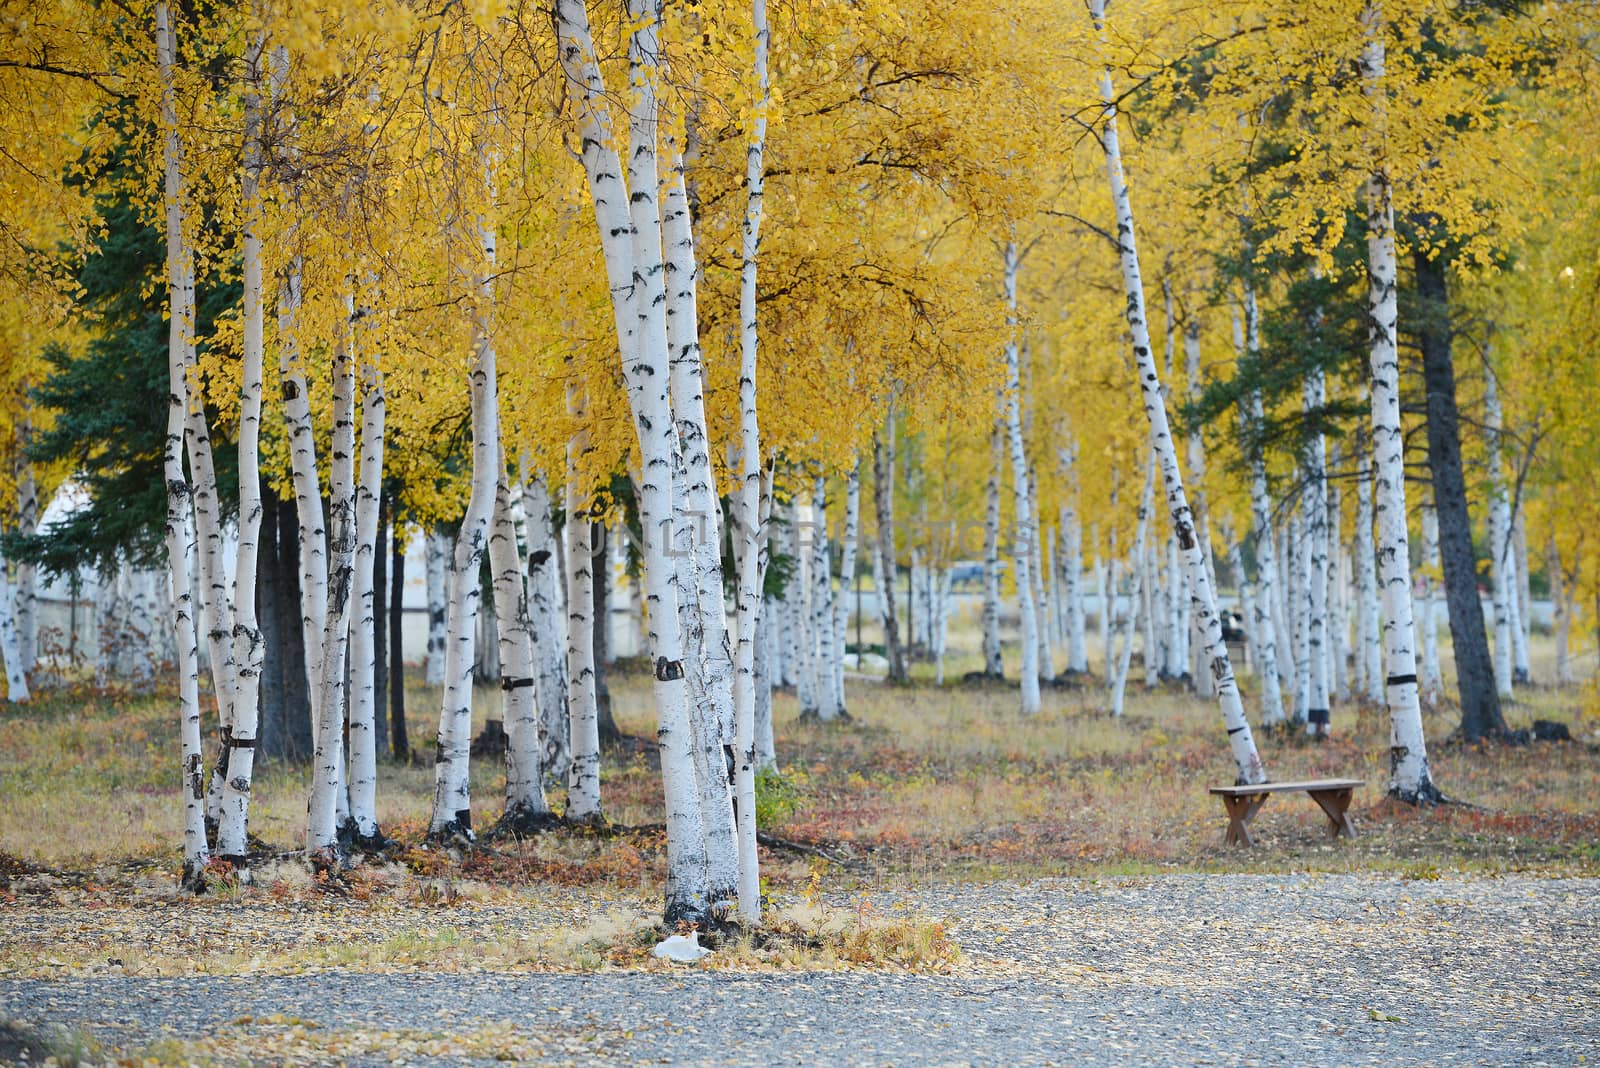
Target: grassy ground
x=923, y=784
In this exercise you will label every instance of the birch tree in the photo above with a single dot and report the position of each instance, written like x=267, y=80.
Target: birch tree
x=364, y=622
x=179, y=537
x=526, y=808
x=1266, y=600
x=10, y=641
x=248, y=652
x=1119, y=676
x=630, y=236
x=583, y=714
x=1023, y=516
x=1409, y=779
x=1314, y=398
x=328, y=761
x=547, y=621
x=1246, y=759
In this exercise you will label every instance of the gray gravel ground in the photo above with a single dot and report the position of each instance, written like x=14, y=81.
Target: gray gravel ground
x=1326, y=970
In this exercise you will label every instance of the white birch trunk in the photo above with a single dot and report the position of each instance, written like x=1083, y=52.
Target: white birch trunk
x=1072, y=563
x=1247, y=760
x=1409, y=779
x=180, y=310
x=526, y=807
x=307, y=490
x=248, y=643
x=847, y=578
x=802, y=629
x=452, y=801
x=547, y=620
x=824, y=615
x=363, y=737
x=11, y=641
x=26, y=598
x=1432, y=680
x=1119, y=676
x=1022, y=549
x=630, y=235
x=752, y=699
x=1196, y=454
x=1299, y=594
x=1266, y=622
x=1500, y=565
x=883, y=450
x=1314, y=396
x=766, y=746
x=583, y=714
x=1048, y=568
x=1336, y=586
x=213, y=602
x=1370, y=642
x=1521, y=669
x=436, y=550
x=1150, y=612
x=1176, y=626
x=993, y=663
x=1044, y=613
x=1105, y=595
x=941, y=622
x=323, y=824
x=702, y=605
x=1561, y=601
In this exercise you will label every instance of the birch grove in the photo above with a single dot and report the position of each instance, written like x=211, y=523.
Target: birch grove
x=613, y=313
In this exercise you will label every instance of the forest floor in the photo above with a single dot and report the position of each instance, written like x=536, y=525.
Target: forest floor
x=1006, y=873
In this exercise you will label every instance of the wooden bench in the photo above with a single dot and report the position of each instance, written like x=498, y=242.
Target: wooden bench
x=1243, y=802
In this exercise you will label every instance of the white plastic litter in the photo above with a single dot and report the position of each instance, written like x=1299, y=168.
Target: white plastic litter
x=685, y=949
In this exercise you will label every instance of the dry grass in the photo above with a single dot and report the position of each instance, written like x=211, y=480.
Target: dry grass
x=924, y=783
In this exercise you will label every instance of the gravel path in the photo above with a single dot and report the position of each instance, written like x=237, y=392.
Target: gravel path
x=1347, y=969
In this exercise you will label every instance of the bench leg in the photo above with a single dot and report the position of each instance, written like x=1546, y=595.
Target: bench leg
x=1334, y=804
x=1241, y=810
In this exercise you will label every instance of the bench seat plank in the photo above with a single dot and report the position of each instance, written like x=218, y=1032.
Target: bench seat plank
x=1282, y=787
